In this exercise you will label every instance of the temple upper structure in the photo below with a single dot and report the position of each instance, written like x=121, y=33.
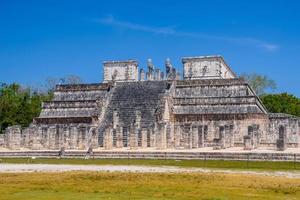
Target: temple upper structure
x=207, y=107
x=120, y=71
x=206, y=67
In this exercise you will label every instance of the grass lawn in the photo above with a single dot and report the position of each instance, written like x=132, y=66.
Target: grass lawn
x=218, y=164
x=102, y=185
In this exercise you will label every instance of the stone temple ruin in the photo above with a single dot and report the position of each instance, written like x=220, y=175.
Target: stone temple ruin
x=132, y=109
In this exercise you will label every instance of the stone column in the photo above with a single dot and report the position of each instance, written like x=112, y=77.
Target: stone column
x=227, y=137
x=58, y=136
x=2, y=143
x=119, y=131
x=222, y=138
x=157, y=136
x=161, y=142
x=51, y=137
x=44, y=140
x=73, y=137
x=280, y=144
x=95, y=138
x=195, y=137
x=89, y=136
x=144, y=138
x=190, y=138
x=187, y=138
x=36, y=144
x=66, y=133
x=108, y=138
x=61, y=137
x=13, y=137
x=115, y=127
x=32, y=133
x=170, y=136
x=231, y=133
x=177, y=136
x=281, y=141
x=133, y=137
x=164, y=136
x=82, y=134
x=247, y=142
x=255, y=135
x=200, y=136
x=26, y=133
x=152, y=137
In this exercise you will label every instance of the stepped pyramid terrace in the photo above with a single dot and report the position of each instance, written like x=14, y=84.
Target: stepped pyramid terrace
x=206, y=106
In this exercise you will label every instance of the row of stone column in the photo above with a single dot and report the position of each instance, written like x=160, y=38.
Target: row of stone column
x=135, y=137
x=163, y=136
x=189, y=136
x=226, y=137
x=51, y=137
x=12, y=137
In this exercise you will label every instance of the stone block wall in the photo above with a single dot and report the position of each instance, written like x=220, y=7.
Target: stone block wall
x=12, y=138
x=214, y=109
x=206, y=67
x=120, y=71
x=288, y=125
x=77, y=136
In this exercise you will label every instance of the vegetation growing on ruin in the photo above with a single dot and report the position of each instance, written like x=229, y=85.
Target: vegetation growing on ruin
x=282, y=103
x=259, y=83
x=96, y=185
x=217, y=164
x=19, y=104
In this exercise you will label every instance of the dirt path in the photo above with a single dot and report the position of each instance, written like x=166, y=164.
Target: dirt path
x=6, y=168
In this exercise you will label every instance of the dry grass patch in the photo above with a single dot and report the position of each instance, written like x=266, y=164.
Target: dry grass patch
x=97, y=185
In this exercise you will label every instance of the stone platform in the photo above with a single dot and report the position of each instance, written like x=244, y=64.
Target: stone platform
x=203, y=154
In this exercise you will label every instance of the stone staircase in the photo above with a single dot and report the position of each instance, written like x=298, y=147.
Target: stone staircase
x=129, y=97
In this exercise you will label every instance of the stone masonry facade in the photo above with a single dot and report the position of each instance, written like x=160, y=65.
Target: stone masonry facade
x=134, y=109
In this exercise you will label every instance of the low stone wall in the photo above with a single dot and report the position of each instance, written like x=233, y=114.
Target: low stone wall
x=156, y=155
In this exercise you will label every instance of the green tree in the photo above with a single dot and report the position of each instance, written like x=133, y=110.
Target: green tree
x=282, y=103
x=9, y=105
x=259, y=83
x=18, y=105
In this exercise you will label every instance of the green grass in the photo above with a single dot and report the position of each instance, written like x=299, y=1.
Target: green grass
x=115, y=186
x=218, y=164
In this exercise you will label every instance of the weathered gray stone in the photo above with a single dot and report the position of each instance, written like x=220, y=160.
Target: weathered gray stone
x=247, y=143
x=13, y=137
x=210, y=107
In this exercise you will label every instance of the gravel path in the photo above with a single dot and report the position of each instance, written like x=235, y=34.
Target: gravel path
x=6, y=168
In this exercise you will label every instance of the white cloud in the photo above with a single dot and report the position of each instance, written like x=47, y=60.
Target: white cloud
x=168, y=30
x=270, y=47
x=111, y=21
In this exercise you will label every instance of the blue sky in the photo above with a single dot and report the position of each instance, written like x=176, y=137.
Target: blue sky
x=40, y=39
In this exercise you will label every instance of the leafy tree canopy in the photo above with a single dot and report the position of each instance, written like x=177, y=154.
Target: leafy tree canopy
x=19, y=105
x=259, y=83
x=282, y=103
